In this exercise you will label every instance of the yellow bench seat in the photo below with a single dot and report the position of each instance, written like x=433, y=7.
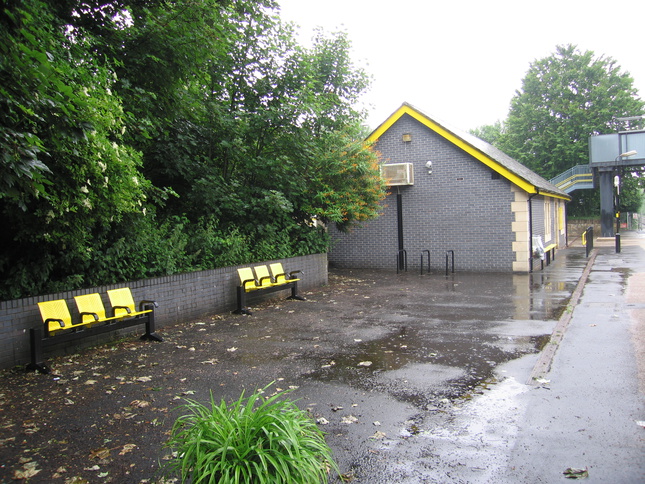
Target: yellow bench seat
x=91, y=309
x=259, y=278
x=58, y=327
x=123, y=305
x=56, y=316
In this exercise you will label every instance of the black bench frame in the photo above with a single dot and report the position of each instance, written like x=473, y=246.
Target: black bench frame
x=242, y=293
x=549, y=255
x=39, y=337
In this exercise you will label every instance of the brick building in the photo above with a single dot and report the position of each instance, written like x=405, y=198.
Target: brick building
x=450, y=191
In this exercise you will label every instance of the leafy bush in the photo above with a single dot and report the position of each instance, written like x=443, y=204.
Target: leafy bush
x=255, y=439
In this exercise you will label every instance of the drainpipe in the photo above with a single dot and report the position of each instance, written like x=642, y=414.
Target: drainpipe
x=399, y=218
x=537, y=192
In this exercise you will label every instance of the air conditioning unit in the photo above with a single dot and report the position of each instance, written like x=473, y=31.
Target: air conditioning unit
x=398, y=174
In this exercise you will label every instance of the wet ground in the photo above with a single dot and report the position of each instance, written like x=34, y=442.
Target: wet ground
x=412, y=377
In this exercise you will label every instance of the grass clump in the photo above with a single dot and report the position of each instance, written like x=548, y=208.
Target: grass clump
x=255, y=439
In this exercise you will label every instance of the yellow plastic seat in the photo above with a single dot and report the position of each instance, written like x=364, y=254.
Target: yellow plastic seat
x=259, y=279
x=91, y=309
x=122, y=303
x=247, y=279
x=55, y=315
x=263, y=277
x=280, y=276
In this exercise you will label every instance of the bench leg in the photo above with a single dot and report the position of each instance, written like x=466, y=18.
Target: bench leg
x=294, y=292
x=150, y=334
x=241, y=302
x=36, y=350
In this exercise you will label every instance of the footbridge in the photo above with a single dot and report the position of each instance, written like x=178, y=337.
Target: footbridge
x=579, y=177
x=610, y=156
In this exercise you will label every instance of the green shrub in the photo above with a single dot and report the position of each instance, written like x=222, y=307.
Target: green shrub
x=253, y=440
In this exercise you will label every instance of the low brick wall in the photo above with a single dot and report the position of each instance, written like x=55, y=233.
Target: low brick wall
x=181, y=297
x=576, y=227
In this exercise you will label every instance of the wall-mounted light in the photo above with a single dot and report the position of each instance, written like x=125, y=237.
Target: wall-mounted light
x=407, y=137
x=429, y=167
x=629, y=153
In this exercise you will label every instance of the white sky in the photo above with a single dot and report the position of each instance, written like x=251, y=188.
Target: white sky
x=461, y=61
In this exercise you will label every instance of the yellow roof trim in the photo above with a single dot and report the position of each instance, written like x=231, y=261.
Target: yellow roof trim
x=488, y=161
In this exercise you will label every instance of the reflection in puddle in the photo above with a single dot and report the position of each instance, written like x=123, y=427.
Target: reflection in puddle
x=434, y=338
x=423, y=340
x=421, y=366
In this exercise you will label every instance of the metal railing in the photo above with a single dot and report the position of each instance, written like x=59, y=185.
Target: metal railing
x=426, y=251
x=452, y=253
x=578, y=177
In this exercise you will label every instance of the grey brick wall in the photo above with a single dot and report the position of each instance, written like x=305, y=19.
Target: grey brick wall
x=181, y=298
x=460, y=207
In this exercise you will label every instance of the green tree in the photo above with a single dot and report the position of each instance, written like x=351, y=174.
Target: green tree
x=62, y=127
x=490, y=133
x=146, y=137
x=566, y=98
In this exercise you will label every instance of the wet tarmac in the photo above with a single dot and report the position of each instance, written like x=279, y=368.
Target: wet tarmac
x=413, y=356
x=414, y=378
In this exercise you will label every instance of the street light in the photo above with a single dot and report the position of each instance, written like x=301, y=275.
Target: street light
x=617, y=200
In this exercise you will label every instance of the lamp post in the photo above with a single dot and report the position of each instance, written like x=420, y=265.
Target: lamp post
x=617, y=199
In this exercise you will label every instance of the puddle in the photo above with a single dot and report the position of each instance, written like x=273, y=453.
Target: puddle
x=419, y=339
x=425, y=364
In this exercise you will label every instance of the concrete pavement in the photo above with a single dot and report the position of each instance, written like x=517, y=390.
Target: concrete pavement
x=586, y=410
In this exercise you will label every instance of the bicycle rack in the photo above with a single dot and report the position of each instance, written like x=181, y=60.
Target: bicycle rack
x=402, y=261
x=424, y=252
x=452, y=252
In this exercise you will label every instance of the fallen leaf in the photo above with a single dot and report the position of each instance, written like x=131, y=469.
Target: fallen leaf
x=90, y=382
x=378, y=435
x=322, y=421
x=232, y=349
x=212, y=361
x=350, y=419
x=573, y=473
x=28, y=470
x=124, y=416
x=127, y=448
x=30, y=427
x=77, y=480
x=144, y=378
x=365, y=363
x=139, y=403
x=102, y=453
